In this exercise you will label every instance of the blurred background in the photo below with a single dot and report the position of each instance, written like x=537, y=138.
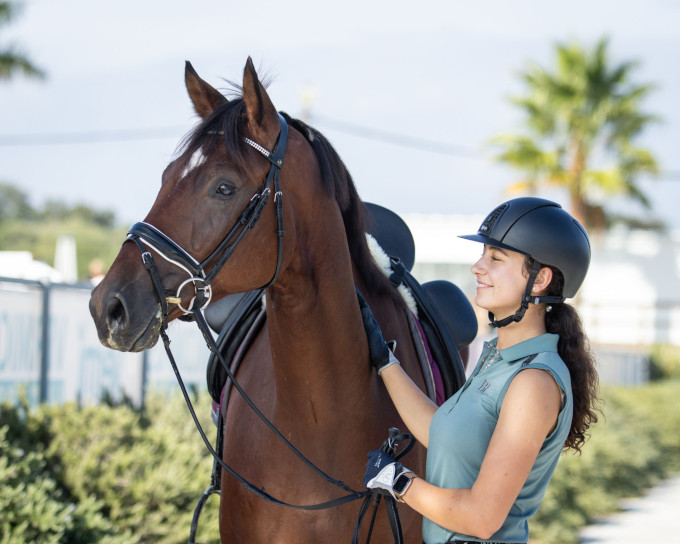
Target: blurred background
x=441, y=110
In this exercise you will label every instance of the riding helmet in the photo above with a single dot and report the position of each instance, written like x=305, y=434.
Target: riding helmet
x=543, y=230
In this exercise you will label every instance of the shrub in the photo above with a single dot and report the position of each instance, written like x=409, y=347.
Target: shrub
x=664, y=362
x=105, y=471
x=631, y=448
x=34, y=508
x=111, y=474
x=149, y=470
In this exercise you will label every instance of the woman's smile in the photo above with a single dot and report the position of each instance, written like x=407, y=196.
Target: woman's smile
x=500, y=280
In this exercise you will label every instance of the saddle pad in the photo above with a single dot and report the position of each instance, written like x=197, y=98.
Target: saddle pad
x=434, y=385
x=235, y=316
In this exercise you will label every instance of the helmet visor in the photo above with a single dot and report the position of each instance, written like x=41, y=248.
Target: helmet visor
x=491, y=242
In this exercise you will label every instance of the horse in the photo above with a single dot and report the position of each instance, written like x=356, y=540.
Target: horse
x=308, y=368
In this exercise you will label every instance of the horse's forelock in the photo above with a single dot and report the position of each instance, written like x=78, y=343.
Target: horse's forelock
x=226, y=127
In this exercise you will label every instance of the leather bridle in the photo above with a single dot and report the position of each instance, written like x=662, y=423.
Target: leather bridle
x=148, y=237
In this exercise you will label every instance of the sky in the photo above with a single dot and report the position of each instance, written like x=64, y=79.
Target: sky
x=409, y=93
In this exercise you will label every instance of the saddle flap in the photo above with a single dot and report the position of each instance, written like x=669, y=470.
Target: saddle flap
x=217, y=313
x=232, y=317
x=455, y=308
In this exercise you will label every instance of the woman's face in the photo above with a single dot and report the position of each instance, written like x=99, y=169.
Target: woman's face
x=501, y=281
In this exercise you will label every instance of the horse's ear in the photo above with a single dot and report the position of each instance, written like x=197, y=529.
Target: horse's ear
x=204, y=97
x=262, y=114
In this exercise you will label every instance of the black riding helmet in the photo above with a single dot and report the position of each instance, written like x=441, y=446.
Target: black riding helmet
x=545, y=232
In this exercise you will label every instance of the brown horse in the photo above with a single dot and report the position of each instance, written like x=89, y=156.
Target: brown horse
x=308, y=369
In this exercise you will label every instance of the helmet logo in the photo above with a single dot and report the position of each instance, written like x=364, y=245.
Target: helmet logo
x=490, y=221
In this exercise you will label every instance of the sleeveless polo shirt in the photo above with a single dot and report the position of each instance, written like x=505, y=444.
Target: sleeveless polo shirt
x=461, y=430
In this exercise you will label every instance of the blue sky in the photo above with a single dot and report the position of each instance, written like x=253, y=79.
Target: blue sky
x=437, y=71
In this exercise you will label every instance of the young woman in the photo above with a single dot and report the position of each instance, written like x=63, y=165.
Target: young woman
x=494, y=445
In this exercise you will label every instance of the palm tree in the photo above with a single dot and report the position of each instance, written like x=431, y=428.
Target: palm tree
x=12, y=60
x=582, y=119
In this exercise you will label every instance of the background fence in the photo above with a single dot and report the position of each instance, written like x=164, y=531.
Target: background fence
x=49, y=349
x=50, y=352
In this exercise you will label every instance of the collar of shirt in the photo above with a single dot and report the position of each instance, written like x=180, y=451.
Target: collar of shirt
x=538, y=344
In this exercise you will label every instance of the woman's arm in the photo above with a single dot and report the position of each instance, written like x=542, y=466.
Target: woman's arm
x=414, y=407
x=528, y=415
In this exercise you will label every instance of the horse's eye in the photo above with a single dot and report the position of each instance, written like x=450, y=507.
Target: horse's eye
x=225, y=189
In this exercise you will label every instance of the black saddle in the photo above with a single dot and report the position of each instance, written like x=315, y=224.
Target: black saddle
x=444, y=312
x=447, y=319
x=232, y=317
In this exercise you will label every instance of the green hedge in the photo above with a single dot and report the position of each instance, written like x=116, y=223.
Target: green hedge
x=115, y=475
x=634, y=446
x=105, y=474
x=35, y=509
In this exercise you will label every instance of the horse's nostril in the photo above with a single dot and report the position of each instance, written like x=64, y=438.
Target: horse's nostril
x=116, y=311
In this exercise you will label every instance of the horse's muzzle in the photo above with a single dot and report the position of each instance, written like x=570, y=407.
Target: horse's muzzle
x=124, y=322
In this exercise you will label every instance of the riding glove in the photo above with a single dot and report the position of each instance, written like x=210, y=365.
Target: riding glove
x=382, y=473
x=379, y=350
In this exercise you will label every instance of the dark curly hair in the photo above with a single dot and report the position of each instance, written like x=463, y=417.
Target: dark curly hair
x=574, y=349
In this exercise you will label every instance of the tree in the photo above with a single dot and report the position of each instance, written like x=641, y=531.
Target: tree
x=58, y=210
x=581, y=119
x=14, y=204
x=12, y=59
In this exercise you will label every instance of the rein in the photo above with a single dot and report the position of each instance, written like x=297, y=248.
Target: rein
x=148, y=237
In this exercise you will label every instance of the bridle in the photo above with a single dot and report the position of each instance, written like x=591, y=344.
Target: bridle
x=148, y=237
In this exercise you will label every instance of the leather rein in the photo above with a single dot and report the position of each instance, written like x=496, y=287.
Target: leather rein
x=148, y=237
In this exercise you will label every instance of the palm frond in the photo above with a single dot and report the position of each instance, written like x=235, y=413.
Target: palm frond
x=12, y=62
x=7, y=12
x=582, y=110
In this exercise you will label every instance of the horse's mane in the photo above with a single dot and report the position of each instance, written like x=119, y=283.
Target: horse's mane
x=338, y=182
x=229, y=120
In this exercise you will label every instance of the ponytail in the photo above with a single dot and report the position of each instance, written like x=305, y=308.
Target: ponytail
x=574, y=349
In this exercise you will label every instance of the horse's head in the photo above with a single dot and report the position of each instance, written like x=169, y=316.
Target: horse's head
x=220, y=188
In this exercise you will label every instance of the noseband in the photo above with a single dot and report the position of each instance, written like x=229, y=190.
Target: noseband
x=148, y=237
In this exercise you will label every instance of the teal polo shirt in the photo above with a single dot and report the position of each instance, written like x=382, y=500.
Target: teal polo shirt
x=461, y=430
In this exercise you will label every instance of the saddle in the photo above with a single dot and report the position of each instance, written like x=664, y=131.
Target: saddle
x=445, y=315
x=233, y=317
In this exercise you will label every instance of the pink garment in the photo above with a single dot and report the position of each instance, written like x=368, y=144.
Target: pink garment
x=440, y=396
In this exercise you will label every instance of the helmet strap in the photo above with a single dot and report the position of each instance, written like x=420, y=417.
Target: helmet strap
x=526, y=300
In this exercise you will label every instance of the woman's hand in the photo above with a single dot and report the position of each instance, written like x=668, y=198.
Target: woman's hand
x=379, y=351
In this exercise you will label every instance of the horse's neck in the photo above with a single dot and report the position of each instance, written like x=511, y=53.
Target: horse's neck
x=316, y=335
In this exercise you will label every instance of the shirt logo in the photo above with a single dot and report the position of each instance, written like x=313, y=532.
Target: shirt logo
x=485, y=385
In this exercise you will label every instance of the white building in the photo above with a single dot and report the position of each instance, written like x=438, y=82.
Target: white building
x=21, y=265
